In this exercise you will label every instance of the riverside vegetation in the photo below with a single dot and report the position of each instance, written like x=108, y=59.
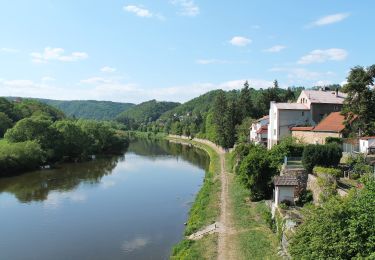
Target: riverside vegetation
x=36, y=134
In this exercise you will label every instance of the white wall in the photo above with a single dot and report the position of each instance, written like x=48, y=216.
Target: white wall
x=283, y=193
x=365, y=144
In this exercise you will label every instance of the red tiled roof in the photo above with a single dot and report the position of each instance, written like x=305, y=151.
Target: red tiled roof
x=302, y=128
x=367, y=137
x=263, y=129
x=334, y=122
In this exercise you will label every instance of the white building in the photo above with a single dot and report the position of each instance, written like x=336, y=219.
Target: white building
x=282, y=117
x=311, y=107
x=258, y=131
x=284, y=189
x=367, y=144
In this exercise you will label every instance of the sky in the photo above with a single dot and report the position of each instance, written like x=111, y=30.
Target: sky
x=175, y=50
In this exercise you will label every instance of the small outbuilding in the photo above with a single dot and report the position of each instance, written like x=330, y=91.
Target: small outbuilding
x=284, y=189
x=367, y=144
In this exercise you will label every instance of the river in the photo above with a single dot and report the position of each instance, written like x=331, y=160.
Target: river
x=127, y=207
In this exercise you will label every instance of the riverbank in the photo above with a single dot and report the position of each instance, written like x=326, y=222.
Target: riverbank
x=244, y=232
x=204, y=211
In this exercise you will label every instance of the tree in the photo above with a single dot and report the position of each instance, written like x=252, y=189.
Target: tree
x=41, y=131
x=245, y=103
x=342, y=228
x=256, y=172
x=75, y=143
x=360, y=100
x=275, y=84
x=5, y=123
x=219, y=110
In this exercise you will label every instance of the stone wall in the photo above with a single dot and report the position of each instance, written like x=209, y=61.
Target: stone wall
x=311, y=137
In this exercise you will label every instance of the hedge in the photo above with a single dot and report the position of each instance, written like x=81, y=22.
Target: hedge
x=328, y=155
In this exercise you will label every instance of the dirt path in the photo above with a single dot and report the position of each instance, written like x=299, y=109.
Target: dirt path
x=226, y=247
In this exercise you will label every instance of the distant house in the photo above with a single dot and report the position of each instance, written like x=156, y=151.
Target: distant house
x=331, y=126
x=284, y=189
x=367, y=144
x=311, y=107
x=282, y=117
x=321, y=102
x=258, y=131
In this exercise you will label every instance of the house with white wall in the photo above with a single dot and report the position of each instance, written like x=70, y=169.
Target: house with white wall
x=311, y=107
x=367, y=144
x=285, y=187
x=258, y=131
x=284, y=116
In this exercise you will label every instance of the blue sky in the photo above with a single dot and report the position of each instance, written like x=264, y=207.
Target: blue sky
x=133, y=51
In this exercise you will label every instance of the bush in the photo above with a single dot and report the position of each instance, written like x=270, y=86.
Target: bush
x=17, y=157
x=331, y=171
x=256, y=173
x=305, y=197
x=328, y=155
x=334, y=140
x=287, y=147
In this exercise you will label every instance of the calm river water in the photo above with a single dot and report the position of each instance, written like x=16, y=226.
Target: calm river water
x=128, y=207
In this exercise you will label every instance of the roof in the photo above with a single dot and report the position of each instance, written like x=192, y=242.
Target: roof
x=325, y=97
x=285, y=181
x=263, y=129
x=367, y=137
x=302, y=128
x=263, y=118
x=334, y=122
x=291, y=106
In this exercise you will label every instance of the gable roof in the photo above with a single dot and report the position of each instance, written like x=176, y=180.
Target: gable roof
x=334, y=122
x=285, y=181
x=325, y=97
x=367, y=137
x=291, y=106
x=263, y=130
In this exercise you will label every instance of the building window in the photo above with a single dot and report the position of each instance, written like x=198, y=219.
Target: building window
x=274, y=131
x=303, y=113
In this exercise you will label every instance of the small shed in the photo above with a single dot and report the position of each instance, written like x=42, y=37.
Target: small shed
x=284, y=189
x=367, y=144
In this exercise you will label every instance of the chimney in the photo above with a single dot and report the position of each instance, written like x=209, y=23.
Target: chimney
x=337, y=92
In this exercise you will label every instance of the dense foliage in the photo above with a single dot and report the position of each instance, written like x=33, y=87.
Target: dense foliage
x=140, y=115
x=37, y=134
x=328, y=155
x=342, y=228
x=16, y=157
x=360, y=101
x=89, y=109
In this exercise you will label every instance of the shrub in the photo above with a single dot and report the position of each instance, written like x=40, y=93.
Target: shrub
x=287, y=147
x=328, y=155
x=17, y=157
x=305, y=197
x=324, y=170
x=256, y=173
x=334, y=140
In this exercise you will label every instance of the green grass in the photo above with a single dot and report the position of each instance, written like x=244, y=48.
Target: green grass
x=255, y=239
x=204, y=211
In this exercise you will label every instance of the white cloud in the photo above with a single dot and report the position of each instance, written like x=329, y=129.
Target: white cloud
x=240, y=41
x=330, y=19
x=302, y=73
x=211, y=61
x=256, y=27
x=322, y=83
x=50, y=54
x=320, y=56
x=9, y=50
x=108, y=69
x=47, y=78
x=138, y=11
x=276, y=48
x=188, y=7
x=96, y=80
x=134, y=244
x=97, y=88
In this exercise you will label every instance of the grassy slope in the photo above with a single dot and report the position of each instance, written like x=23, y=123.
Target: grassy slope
x=205, y=211
x=254, y=239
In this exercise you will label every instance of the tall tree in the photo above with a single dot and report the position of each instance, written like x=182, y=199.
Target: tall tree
x=360, y=100
x=275, y=84
x=220, y=108
x=245, y=103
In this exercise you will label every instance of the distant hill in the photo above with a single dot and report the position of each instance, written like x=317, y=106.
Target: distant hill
x=198, y=105
x=88, y=109
x=146, y=112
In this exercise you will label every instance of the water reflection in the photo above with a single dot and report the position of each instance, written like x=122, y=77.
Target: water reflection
x=35, y=186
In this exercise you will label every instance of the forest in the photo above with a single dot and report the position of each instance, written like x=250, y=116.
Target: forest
x=36, y=134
